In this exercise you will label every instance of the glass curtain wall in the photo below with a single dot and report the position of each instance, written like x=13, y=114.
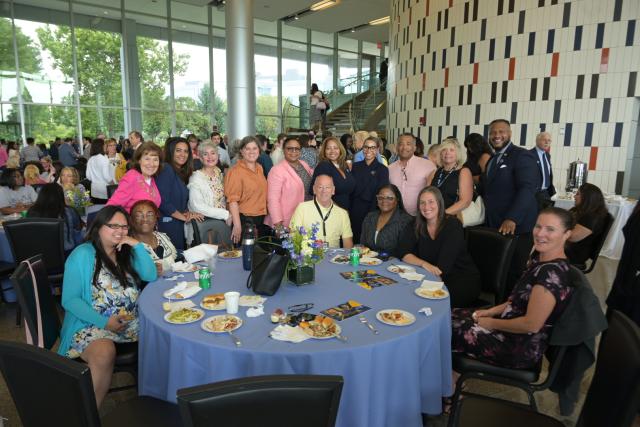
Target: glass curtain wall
x=88, y=67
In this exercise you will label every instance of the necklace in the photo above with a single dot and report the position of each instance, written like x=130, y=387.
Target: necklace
x=441, y=178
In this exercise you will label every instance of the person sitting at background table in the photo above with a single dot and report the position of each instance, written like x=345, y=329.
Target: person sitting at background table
x=15, y=197
x=172, y=183
x=194, y=142
x=370, y=175
x=287, y=185
x=245, y=188
x=333, y=163
x=116, y=160
x=139, y=181
x=515, y=334
x=206, y=197
x=452, y=179
x=332, y=219
x=49, y=171
x=69, y=180
x=99, y=172
x=51, y=204
x=590, y=212
x=436, y=243
x=383, y=227
x=100, y=292
x=144, y=221
x=32, y=175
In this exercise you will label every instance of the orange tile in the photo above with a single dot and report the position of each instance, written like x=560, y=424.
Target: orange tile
x=554, y=64
x=427, y=7
x=593, y=158
x=476, y=67
x=512, y=68
x=604, y=60
x=424, y=81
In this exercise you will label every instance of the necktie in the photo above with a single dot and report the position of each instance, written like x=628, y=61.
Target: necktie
x=545, y=170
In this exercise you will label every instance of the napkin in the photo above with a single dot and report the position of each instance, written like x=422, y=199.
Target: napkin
x=177, y=305
x=289, y=333
x=176, y=277
x=431, y=285
x=411, y=275
x=186, y=289
x=181, y=266
x=200, y=252
x=255, y=311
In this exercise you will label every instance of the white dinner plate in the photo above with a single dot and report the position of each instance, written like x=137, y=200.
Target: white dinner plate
x=207, y=323
x=400, y=268
x=370, y=261
x=431, y=293
x=406, y=320
x=168, y=316
x=328, y=337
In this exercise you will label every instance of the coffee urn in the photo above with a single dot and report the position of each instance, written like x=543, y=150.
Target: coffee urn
x=576, y=175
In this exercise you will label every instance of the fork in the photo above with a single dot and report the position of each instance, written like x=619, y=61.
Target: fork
x=364, y=321
x=341, y=337
x=235, y=339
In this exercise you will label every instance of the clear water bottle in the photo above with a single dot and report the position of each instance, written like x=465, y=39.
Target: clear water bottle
x=248, y=241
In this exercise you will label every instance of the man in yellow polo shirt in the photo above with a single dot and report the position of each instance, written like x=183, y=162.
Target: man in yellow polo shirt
x=333, y=221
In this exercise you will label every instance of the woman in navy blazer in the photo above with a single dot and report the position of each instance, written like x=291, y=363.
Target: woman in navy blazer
x=172, y=185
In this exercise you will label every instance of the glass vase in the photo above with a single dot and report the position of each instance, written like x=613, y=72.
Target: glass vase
x=302, y=275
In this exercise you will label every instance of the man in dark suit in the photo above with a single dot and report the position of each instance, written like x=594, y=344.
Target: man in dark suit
x=541, y=151
x=510, y=184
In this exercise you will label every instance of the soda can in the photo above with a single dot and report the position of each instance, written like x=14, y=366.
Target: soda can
x=204, y=278
x=354, y=257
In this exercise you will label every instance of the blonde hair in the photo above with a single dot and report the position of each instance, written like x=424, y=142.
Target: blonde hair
x=343, y=154
x=461, y=155
x=31, y=172
x=359, y=138
x=74, y=174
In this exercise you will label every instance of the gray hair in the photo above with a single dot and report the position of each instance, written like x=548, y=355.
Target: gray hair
x=207, y=145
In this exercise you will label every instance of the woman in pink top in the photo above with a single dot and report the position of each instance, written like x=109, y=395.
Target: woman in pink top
x=139, y=182
x=287, y=185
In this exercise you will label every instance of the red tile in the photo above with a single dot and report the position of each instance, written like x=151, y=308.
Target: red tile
x=446, y=77
x=512, y=68
x=427, y=8
x=410, y=13
x=476, y=67
x=593, y=158
x=450, y=3
x=554, y=64
x=604, y=60
x=424, y=81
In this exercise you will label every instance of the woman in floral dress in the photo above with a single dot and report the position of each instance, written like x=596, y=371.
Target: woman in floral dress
x=515, y=334
x=100, y=293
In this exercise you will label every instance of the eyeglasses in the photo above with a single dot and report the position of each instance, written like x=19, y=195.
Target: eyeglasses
x=118, y=226
x=370, y=147
x=300, y=308
x=387, y=198
x=293, y=149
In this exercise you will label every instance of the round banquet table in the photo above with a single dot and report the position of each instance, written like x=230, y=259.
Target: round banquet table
x=389, y=379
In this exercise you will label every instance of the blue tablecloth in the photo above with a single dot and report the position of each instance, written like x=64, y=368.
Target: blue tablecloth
x=389, y=379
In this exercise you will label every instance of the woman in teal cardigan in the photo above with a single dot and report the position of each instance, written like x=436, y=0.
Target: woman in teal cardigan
x=100, y=292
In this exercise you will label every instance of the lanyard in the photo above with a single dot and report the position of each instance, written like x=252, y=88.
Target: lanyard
x=325, y=218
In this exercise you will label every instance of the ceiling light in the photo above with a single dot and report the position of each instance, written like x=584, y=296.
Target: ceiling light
x=106, y=12
x=353, y=30
x=323, y=4
x=296, y=17
x=380, y=21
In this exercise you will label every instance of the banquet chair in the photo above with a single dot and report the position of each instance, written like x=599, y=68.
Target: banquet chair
x=613, y=398
x=43, y=322
x=111, y=188
x=267, y=401
x=49, y=389
x=197, y=239
x=31, y=236
x=491, y=253
x=597, y=245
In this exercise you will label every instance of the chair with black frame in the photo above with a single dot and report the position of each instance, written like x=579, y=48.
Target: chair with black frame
x=613, y=398
x=197, y=239
x=49, y=389
x=492, y=253
x=310, y=400
x=43, y=321
x=597, y=245
x=111, y=188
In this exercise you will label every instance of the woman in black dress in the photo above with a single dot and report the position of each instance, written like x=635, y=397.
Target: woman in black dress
x=452, y=179
x=436, y=243
x=590, y=213
x=625, y=293
x=333, y=163
x=383, y=227
x=370, y=175
x=478, y=155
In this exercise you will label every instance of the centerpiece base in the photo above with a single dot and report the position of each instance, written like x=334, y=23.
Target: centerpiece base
x=302, y=275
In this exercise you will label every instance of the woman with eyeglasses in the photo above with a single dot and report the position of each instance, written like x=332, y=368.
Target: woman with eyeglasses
x=287, y=185
x=382, y=228
x=144, y=222
x=436, y=243
x=100, y=292
x=370, y=175
x=333, y=163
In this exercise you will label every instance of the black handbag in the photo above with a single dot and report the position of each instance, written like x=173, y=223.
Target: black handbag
x=268, y=267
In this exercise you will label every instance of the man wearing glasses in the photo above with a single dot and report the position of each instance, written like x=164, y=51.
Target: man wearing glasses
x=333, y=221
x=410, y=172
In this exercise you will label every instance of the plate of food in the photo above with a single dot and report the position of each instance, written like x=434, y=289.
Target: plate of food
x=395, y=317
x=213, y=302
x=399, y=268
x=321, y=328
x=232, y=254
x=251, y=300
x=221, y=323
x=366, y=252
x=340, y=259
x=184, y=315
x=365, y=260
x=431, y=293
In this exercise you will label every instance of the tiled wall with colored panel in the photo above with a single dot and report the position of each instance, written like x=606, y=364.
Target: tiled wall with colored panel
x=567, y=67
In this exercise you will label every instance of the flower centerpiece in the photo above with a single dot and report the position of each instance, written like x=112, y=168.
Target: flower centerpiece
x=77, y=198
x=305, y=251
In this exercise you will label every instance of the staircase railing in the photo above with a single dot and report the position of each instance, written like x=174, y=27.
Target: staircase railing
x=369, y=112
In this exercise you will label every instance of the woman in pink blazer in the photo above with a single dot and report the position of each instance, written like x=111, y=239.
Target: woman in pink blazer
x=139, y=182
x=287, y=185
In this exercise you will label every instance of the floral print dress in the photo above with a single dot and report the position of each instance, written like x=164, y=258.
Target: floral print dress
x=512, y=350
x=109, y=298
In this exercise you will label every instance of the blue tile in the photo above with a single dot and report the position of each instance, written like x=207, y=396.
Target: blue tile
x=600, y=36
x=507, y=47
x=566, y=15
x=523, y=134
x=472, y=53
x=492, y=49
x=557, y=105
x=617, y=136
x=588, y=135
x=567, y=134
x=606, y=107
x=617, y=10
x=577, y=38
x=550, y=39
x=532, y=43
x=631, y=30
x=521, y=17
